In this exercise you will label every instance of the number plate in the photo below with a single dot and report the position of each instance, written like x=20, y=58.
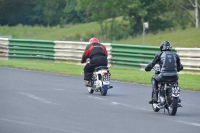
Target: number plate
x=106, y=78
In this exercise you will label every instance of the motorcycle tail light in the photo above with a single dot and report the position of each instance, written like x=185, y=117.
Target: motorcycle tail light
x=176, y=94
x=105, y=74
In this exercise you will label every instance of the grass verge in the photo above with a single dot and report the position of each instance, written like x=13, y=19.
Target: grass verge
x=179, y=38
x=186, y=81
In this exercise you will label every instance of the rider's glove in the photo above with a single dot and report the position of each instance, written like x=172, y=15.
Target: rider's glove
x=146, y=69
x=82, y=61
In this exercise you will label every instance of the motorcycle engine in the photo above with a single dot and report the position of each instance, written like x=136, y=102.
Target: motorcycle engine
x=161, y=100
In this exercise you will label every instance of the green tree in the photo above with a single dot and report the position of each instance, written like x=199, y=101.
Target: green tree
x=28, y=12
x=53, y=11
x=191, y=10
x=160, y=14
x=100, y=11
x=134, y=12
x=157, y=17
x=14, y=12
x=71, y=14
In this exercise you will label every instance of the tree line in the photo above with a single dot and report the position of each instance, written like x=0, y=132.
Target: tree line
x=117, y=19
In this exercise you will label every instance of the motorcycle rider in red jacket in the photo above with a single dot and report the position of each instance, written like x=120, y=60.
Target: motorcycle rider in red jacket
x=97, y=54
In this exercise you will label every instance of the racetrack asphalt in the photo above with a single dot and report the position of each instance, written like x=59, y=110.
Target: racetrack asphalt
x=41, y=102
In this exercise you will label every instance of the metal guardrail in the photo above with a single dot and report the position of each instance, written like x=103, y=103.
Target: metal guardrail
x=120, y=55
x=190, y=58
x=139, y=56
x=69, y=50
x=31, y=49
x=4, y=48
x=133, y=56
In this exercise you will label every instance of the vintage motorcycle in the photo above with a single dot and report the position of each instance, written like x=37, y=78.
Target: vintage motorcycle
x=100, y=80
x=168, y=96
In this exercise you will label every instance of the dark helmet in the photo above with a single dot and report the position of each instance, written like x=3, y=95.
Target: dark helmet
x=165, y=45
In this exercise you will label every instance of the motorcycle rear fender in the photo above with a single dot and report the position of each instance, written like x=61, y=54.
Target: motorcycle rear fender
x=101, y=71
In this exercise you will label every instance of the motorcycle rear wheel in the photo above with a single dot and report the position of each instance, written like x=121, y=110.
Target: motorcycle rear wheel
x=172, y=109
x=104, y=90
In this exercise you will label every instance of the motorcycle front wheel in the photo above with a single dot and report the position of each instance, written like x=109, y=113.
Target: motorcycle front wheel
x=104, y=90
x=172, y=109
x=90, y=90
x=154, y=105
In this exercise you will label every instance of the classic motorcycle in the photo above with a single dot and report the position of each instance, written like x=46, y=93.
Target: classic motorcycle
x=100, y=80
x=168, y=96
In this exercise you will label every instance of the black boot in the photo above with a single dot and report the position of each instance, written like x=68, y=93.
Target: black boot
x=154, y=99
x=88, y=83
x=155, y=91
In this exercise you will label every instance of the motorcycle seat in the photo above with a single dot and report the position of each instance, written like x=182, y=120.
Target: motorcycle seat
x=100, y=67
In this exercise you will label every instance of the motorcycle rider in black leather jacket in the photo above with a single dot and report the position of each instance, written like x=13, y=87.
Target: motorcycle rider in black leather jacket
x=169, y=63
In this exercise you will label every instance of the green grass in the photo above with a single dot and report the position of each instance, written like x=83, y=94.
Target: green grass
x=186, y=81
x=179, y=38
x=46, y=33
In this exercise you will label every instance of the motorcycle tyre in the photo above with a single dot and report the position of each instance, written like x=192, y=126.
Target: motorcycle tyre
x=172, y=110
x=90, y=90
x=104, y=90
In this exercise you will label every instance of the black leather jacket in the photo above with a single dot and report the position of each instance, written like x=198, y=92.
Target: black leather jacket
x=160, y=59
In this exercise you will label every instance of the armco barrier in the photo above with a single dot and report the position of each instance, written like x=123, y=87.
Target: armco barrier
x=133, y=56
x=4, y=48
x=31, y=49
x=69, y=50
x=120, y=55
x=190, y=58
x=138, y=56
x=46, y=50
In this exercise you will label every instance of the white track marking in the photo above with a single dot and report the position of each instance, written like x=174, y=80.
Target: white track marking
x=59, y=89
x=116, y=103
x=127, y=105
x=97, y=98
x=37, y=98
x=31, y=124
x=190, y=123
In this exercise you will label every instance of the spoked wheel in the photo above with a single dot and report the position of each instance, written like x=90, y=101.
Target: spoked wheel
x=172, y=109
x=154, y=105
x=90, y=90
x=104, y=90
